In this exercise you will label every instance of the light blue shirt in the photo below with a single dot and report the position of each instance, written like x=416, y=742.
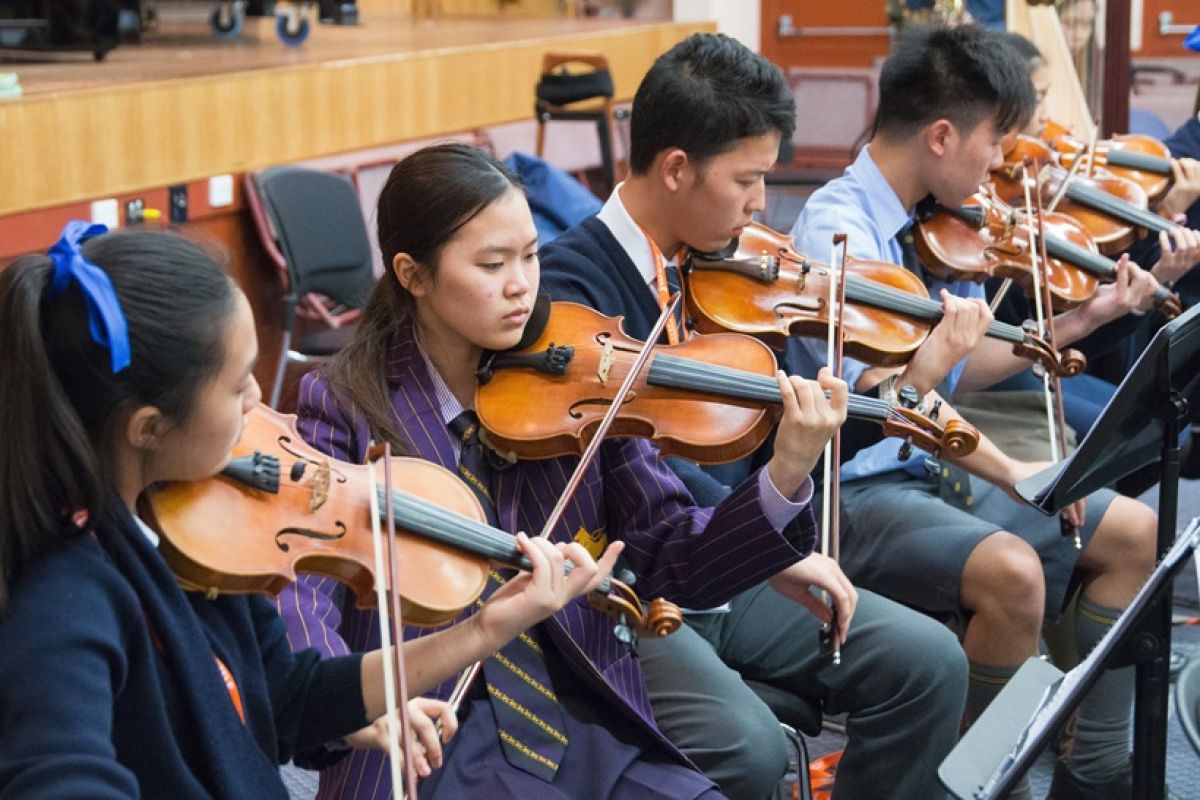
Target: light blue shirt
x=862, y=204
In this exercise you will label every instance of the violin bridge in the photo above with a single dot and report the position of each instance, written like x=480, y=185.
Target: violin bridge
x=319, y=486
x=607, y=356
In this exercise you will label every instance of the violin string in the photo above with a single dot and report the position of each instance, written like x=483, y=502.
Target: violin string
x=684, y=373
x=1099, y=265
x=872, y=293
x=1066, y=250
x=1132, y=159
x=427, y=518
x=431, y=521
x=1121, y=209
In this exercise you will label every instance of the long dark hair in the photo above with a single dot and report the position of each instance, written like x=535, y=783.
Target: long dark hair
x=427, y=198
x=60, y=401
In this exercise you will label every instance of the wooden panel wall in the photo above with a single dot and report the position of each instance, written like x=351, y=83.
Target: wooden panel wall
x=824, y=51
x=1156, y=45
x=79, y=145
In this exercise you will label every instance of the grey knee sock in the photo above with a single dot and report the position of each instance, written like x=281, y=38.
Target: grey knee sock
x=1096, y=746
x=984, y=682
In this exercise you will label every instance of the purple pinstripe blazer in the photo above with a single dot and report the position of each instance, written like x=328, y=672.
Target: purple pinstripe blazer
x=697, y=557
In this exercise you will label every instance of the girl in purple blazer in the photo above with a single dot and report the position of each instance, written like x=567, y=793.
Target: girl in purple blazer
x=461, y=248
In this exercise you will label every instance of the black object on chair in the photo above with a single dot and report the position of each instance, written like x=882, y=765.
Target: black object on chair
x=564, y=96
x=317, y=222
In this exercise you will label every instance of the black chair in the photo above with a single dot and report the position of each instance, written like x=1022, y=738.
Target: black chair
x=579, y=97
x=312, y=224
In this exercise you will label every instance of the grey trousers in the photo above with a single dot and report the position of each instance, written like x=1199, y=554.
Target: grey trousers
x=902, y=683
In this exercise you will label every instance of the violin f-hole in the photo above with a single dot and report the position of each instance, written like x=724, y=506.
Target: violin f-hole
x=308, y=533
x=798, y=305
x=575, y=409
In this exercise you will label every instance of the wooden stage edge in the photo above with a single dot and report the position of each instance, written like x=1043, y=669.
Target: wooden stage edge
x=183, y=107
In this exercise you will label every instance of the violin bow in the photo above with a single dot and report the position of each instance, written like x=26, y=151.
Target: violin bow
x=831, y=479
x=395, y=682
x=467, y=678
x=986, y=194
x=1086, y=155
x=1044, y=311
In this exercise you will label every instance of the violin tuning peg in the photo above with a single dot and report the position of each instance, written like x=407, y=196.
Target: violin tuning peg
x=933, y=467
x=625, y=576
x=623, y=633
x=905, y=450
x=908, y=397
x=937, y=409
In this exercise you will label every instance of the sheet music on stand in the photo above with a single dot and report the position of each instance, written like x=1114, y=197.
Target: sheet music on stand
x=1142, y=424
x=976, y=769
x=1129, y=433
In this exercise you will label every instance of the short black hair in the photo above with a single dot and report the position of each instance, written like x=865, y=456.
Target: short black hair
x=702, y=96
x=1025, y=48
x=963, y=74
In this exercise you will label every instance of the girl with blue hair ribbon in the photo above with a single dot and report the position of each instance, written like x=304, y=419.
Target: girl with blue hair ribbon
x=129, y=360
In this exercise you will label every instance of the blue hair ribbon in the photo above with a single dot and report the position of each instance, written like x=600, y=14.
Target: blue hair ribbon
x=106, y=321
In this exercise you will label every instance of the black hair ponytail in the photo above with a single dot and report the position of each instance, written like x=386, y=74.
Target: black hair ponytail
x=60, y=400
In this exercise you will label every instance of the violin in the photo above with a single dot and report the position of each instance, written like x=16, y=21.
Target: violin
x=1142, y=159
x=711, y=399
x=761, y=286
x=299, y=510
x=1115, y=211
x=986, y=237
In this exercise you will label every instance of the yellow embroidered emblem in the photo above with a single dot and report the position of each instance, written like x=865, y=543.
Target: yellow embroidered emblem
x=593, y=541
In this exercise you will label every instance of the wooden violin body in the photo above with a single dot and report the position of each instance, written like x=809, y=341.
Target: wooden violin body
x=956, y=245
x=1115, y=211
x=1142, y=159
x=282, y=507
x=711, y=399
x=763, y=287
x=537, y=411
x=1111, y=234
x=987, y=235
x=318, y=520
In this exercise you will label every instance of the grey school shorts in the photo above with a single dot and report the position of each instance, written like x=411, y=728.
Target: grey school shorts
x=900, y=539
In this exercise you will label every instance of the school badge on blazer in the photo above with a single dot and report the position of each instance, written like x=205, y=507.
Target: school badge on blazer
x=593, y=541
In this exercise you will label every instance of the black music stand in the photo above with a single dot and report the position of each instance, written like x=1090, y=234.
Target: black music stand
x=1140, y=424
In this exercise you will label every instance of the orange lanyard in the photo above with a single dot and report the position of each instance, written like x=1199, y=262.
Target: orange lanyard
x=235, y=694
x=664, y=288
x=231, y=686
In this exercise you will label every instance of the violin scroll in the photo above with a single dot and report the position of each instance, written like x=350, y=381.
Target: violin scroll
x=960, y=439
x=1066, y=364
x=956, y=440
x=618, y=600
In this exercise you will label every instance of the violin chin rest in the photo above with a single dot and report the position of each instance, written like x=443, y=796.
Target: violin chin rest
x=538, y=317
